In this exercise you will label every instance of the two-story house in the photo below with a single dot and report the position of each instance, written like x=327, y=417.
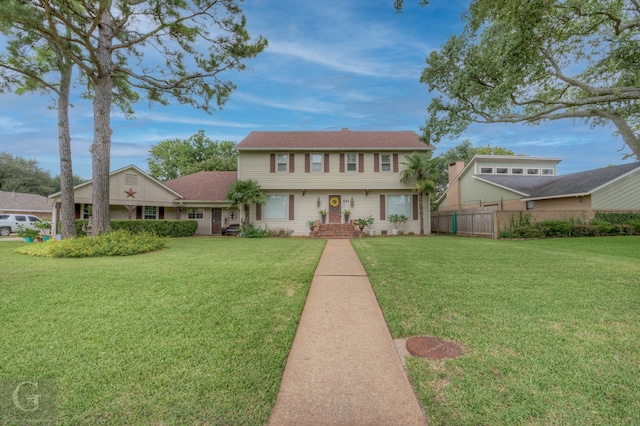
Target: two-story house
x=305, y=172
x=300, y=172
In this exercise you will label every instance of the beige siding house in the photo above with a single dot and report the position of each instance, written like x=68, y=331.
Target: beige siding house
x=301, y=173
x=305, y=172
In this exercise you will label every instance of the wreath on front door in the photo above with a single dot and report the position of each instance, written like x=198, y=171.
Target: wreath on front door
x=334, y=202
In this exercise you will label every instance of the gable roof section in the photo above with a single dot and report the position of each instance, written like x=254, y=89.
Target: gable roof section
x=582, y=183
x=129, y=167
x=524, y=185
x=203, y=186
x=342, y=139
x=575, y=184
x=16, y=201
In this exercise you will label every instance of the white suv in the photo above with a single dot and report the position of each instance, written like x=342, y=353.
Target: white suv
x=9, y=222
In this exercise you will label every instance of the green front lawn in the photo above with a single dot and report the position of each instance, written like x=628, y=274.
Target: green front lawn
x=196, y=333
x=551, y=327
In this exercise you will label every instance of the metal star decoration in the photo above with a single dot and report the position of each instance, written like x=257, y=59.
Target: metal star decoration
x=130, y=193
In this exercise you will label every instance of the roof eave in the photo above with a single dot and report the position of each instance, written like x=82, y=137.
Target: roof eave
x=550, y=197
x=500, y=186
x=359, y=149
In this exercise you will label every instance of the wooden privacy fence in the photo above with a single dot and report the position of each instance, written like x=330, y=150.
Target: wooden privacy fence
x=489, y=221
x=473, y=222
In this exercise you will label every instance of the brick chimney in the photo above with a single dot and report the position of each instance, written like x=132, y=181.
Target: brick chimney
x=454, y=169
x=453, y=192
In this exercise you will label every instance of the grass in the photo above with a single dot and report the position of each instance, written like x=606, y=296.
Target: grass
x=550, y=327
x=196, y=333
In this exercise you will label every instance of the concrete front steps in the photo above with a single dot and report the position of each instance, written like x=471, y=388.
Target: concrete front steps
x=334, y=230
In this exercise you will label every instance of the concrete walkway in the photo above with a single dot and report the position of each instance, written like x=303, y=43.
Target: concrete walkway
x=343, y=368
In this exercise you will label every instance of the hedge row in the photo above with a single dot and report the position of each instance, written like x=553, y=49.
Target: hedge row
x=618, y=217
x=560, y=228
x=161, y=228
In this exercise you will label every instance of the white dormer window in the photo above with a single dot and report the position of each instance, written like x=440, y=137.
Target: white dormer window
x=517, y=171
x=502, y=170
x=486, y=170
x=533, y=171
x=547, y=172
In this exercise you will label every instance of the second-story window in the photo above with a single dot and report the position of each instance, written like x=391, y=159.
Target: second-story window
x=316, y=162
x=385, y=162
x=352, y=162
x=283, y=163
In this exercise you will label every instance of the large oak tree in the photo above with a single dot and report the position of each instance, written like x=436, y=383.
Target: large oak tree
x=173, y=158
x=529, y=61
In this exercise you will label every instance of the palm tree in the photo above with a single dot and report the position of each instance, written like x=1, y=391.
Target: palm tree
x=424, y=169
x=243, y=193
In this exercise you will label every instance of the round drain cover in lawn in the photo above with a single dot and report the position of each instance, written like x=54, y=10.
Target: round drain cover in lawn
x=432, y=348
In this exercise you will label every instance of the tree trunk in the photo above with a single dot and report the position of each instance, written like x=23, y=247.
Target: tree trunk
x=67, y=211
x=101, y=148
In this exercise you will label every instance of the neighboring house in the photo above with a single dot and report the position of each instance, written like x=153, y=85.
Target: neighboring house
x=300, y=172
x=469, y=185
x=516, y=184
x=304, y=172
x=30, y=204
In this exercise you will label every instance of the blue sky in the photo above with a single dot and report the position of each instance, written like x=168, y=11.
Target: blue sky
x=329, y=65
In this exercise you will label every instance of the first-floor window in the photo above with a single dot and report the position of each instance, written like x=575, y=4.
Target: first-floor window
x=195, y=213
x=529, y=205
x=276, y=207
x=87, y=210
x=150, y=212
x=399, y=204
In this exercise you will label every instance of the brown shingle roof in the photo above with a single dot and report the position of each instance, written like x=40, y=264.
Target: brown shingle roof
x=15, y=201
x=203, y=186
x=343, y=139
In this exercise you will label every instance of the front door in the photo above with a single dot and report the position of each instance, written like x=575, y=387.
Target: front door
x=335, y=209
x=216, y=221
